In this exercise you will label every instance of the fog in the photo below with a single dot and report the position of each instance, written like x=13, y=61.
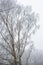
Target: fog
x=37, y=6
x=21, y=32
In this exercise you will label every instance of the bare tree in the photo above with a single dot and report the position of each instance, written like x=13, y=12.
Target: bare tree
x=16, y=27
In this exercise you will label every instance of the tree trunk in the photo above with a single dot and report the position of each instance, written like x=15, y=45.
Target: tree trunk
x=20, y=61
x=16, y=63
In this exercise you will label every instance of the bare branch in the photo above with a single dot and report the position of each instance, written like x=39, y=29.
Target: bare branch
x=5, y=40
x=6, y=23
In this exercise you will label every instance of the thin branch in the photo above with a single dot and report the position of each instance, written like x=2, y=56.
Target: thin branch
x=31, y=48
x=5, y=40
x=6, y=9
x=5, y=23
x=24, y=44
x=6, y=49
x=8, y=60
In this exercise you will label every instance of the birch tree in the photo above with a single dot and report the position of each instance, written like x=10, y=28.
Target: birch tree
x=17, y=24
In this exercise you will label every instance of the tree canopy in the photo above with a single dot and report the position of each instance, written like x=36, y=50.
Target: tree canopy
x=17, y=24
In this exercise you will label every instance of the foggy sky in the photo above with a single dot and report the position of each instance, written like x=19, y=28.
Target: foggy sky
x=37, y=6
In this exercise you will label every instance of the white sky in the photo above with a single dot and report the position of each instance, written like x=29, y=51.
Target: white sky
x=37, y=6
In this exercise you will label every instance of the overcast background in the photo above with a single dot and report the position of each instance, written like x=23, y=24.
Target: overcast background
x=37, y=6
